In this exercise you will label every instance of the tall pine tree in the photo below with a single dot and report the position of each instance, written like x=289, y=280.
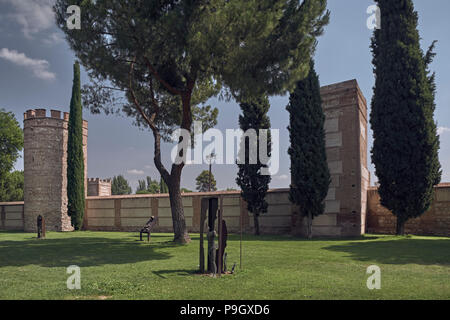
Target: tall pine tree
x=310, y=177
x=254, y=185
x=75, y=156
x=406, y=144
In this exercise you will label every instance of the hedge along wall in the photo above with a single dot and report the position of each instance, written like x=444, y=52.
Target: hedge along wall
x=131, y=212
x=436, y=221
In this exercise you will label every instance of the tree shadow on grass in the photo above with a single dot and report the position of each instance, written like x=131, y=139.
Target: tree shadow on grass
x=81, y=251
x=266, y=237
x=177, y=272
x=401, y=251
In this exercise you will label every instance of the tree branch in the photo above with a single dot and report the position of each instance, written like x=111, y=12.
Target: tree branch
x=157, y=159
x=158, y=77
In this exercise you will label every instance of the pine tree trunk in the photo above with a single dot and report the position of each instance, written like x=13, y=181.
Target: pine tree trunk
x=172, y=181
x=256, y=222
x=176, y=204
x=400, y=227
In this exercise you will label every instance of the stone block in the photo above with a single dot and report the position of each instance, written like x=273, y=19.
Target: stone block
x=333, y=139
x=100, y=213
x=331, y=125
x=331, y=195
x=230, y=201
x=133, y=222
x=100, y=204
x=101, y=222
x=335, y=167
x=333, y=206
x=329, y=219
x=442, y=194
x=136, y=203
x=13, y=216
x=136, y=212
x=11, y=209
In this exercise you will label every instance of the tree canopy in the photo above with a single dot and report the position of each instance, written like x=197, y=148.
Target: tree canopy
x=11, y=141
x=169, y=57
x=310, y=176
x=148, y=187
x=406, y=144
x=75, y=155
x=202, y=182
x=11, y=187
x=119, y=185
x=253, y=183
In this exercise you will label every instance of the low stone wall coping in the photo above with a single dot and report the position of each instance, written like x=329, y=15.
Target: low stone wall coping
x=186, y=194
x=16, y=203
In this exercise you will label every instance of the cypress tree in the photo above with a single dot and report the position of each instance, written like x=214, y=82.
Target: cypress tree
x=253, y=184
x=75, y=157
x=406, y=144
x=163, y=186
x=310, y=177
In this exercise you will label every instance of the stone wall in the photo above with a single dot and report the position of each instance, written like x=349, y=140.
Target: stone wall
x=436, y=221
x=98, y=187
x=345, y=111
x=45, y=168
x=131, y=212
x=11, y=216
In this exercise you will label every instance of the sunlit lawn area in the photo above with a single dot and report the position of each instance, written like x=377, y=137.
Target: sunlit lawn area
x=115, y=265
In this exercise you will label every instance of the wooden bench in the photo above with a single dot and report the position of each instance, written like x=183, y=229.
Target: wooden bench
x=148, y=227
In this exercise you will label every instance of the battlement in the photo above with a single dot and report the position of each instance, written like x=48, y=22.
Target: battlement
x=98, y=180
x=54, y=114
x=98, y=187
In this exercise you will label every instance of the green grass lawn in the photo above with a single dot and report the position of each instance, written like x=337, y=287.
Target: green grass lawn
x=115, y=265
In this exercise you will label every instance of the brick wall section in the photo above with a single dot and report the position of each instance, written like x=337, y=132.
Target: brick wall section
x=45, y=169
x=436, y=221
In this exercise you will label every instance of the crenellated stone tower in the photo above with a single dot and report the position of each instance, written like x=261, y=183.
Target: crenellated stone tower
x=45, y=168
x=99, y=187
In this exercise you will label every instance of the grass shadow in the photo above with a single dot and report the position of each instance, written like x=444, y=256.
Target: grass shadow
x=401, y=251
x=178, y=272
x=81, y=251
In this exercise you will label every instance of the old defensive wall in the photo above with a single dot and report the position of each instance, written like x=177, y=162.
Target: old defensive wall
x=352, y=207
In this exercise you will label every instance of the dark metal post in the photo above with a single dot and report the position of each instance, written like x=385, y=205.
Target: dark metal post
x=204, y=207
x=220, y=252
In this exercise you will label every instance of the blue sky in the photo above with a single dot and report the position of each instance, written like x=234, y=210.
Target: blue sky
x=36, y=72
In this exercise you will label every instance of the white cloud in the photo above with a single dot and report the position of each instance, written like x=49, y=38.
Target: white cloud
x=135, y=171
x=53, y=38
x=33, y=16
x=442, y=130
x=38, y=67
